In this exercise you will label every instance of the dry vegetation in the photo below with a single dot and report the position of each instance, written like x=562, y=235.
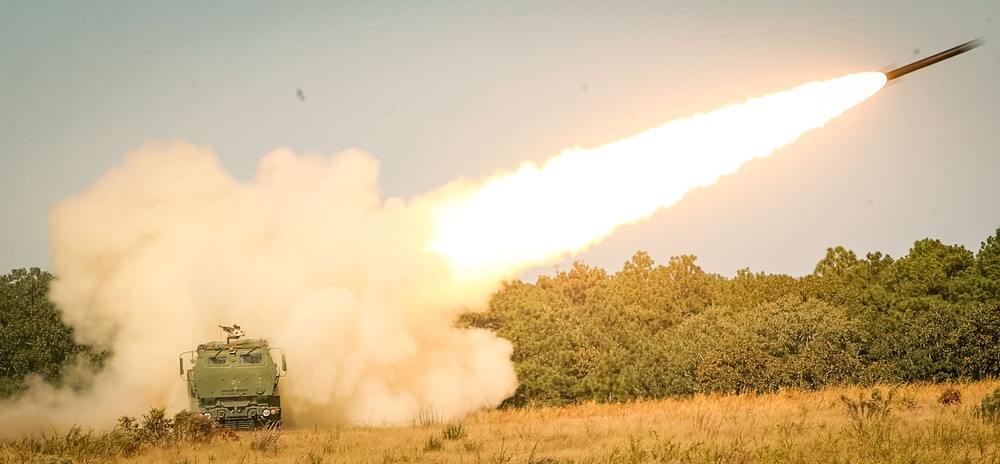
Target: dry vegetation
x=909, y=423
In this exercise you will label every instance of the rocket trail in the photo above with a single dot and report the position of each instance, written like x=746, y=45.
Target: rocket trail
x=538, y=214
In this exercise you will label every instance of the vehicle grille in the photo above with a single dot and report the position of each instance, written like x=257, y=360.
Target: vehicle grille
x=240, y=424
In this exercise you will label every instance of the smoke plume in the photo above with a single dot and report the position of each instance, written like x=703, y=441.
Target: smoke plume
x=161, y=250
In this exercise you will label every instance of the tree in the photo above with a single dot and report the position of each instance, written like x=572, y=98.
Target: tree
x=785, y=344
x=977, y=342
x=33, y=338
x=934, y=270
x=988, y=262
x=841, y=279
x=748, y=289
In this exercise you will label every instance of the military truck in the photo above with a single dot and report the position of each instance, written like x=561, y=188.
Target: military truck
x=235, y=382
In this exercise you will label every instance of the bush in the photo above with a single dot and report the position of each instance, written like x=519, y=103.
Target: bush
x=156, y=427
x=194, y=427
x=950, y=395
x=866, y=412
x=131, y=436
x=989, y=408
x=453, y=432
x=739, y=367
x=433, y=444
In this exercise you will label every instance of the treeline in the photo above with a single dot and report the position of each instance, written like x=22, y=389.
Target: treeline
x=652, y=331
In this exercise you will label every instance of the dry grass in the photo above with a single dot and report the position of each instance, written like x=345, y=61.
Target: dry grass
x=789, y=426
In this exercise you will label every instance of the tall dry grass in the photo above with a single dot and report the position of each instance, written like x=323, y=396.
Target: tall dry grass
x=908, y=423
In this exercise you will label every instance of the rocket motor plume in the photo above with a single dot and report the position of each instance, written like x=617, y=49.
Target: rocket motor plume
x=361, y=292
x=538, y=214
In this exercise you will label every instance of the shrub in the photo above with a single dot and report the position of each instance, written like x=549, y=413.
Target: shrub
x=739, y=366
x=950, y=395
x=433, y=444
x=194, y=427
x=989, y=408
x=155, y=426
x=453, y=432
x=867, y=411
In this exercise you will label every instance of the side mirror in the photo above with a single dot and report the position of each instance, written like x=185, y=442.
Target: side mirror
x=180, y=359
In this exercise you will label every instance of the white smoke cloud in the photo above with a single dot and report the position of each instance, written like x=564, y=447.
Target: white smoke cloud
x=161, y=250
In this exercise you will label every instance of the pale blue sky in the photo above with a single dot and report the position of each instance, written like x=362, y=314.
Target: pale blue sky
x=437, y=90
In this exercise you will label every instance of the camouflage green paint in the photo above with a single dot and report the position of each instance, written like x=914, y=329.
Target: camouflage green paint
x=235, y=382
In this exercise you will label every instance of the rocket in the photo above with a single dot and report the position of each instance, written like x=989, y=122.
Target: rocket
x=898, y=72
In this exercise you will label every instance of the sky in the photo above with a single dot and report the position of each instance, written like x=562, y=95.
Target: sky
x=446, y=89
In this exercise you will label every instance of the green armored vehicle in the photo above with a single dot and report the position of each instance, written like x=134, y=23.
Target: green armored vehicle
x=235, y=382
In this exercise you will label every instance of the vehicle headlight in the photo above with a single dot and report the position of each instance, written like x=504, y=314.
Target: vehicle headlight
x=207, y=415
x=266, y=412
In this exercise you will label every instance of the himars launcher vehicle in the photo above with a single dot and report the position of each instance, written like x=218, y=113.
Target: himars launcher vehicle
x=236, y=381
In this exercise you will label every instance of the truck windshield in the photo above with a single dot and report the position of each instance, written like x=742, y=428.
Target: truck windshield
x=251, y=358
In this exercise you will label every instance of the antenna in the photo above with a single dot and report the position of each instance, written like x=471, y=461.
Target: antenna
x=194, y=324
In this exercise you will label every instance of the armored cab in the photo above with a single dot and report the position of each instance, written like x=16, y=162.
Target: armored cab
x=235, y=382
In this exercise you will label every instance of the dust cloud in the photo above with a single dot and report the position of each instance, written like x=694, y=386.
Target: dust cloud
x=167, y=246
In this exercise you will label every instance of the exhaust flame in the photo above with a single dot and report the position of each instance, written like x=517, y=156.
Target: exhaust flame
x=361, y=292
x=537, y=214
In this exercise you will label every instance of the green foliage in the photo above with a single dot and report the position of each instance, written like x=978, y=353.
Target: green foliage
x=652, y=331
x=155, y=426
x=34, y=341
x=976, y=341
x=739, y=366
x=584, y=335
x=748, y=290
x=841, y=279
x=988, y=263
x=989, y=408
x=785, y=344
x=933, y=271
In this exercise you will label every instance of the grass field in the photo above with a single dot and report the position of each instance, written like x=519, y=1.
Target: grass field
x=908, y=423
